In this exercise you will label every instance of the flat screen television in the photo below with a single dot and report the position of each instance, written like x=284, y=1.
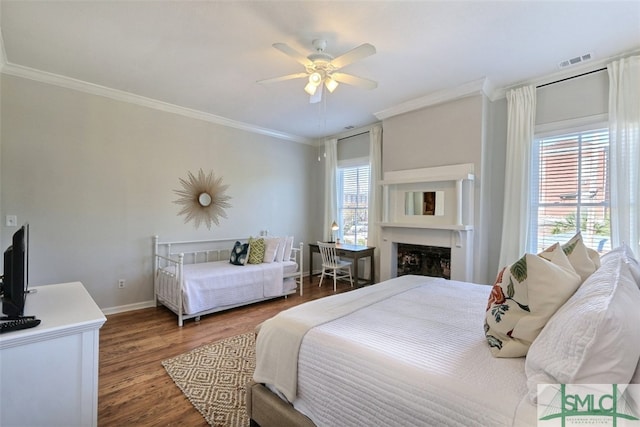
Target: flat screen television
x=16, y=274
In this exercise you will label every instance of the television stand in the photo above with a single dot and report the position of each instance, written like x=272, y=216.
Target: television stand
x=49, y=374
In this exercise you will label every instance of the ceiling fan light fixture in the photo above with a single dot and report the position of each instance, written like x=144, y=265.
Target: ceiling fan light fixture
x=330, y=84
x=315, y=80
x=310, y=88
x=322, y=68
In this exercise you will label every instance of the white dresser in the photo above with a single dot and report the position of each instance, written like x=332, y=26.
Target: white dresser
x=49, y=374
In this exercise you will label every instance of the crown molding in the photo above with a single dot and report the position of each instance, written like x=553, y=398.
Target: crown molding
x=94, y=89
x=479, y=86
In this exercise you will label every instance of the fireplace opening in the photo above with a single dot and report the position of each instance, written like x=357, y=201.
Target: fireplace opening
x=422, y=260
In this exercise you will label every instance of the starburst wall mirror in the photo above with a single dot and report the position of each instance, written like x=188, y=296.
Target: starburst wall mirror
x=203, y=198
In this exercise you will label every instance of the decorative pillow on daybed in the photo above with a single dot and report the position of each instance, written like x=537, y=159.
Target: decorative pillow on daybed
x=288, y=247
x=239, y=253
x=526, y=294
x=284, y=248
x=256, y=251
x=271, y=246
x=281, y=245
x=584, y=260
x=594, y=337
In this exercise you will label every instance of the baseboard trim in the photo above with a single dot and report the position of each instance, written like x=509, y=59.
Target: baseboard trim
x=128, y=307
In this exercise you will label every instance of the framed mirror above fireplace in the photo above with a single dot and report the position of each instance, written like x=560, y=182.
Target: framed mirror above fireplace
x=424, y=203
x=439, y=197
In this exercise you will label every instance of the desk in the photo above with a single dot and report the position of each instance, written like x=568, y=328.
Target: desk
x=49, y=374
x=354, y=252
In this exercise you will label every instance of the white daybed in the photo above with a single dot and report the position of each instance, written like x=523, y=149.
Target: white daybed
x=194, y=278
x=412, y=351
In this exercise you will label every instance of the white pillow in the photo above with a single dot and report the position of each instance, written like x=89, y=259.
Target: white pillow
x=594, y=337
x=628, y=257
x=584, y=260
x=287, y=248
x=282, y=243
x=270, y=248
x=635, y=379
x=526, y=294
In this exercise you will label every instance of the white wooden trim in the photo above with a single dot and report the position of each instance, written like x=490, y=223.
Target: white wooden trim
x=119, y=95
x=128, y=307
x=580, y=124
x=477, y=87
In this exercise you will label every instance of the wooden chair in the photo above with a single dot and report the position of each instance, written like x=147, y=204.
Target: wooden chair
x=332, y=265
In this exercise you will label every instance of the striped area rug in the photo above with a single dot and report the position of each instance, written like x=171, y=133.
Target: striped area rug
x=214, y=376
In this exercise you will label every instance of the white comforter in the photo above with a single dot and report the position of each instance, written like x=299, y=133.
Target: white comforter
x=280, y=337
x=415, y=358
x=218, y=284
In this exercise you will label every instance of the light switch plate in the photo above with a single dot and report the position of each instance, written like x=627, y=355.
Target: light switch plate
x=12, y=221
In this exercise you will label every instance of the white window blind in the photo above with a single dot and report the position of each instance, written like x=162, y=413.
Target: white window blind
x=570, y=189
x=353, y=204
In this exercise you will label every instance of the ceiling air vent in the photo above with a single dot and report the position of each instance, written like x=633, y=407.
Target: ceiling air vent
x=575, y=61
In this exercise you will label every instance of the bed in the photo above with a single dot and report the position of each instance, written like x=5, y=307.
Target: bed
x=195, y=278
x=413, y=351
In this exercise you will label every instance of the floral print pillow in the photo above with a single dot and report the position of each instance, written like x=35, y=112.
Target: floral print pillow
x=525, y=295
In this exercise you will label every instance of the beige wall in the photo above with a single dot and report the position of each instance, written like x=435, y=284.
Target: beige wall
x=473, y=130
x=573, y=99
x=449, y=133
x=94, y=177
x=444, y=134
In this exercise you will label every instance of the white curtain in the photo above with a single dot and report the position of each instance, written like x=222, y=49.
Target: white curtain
x=624, y=140
x=375, y=196
x=521, y=105
x=330, y=187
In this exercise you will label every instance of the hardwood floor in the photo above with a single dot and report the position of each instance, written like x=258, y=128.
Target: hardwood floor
x=134, y=388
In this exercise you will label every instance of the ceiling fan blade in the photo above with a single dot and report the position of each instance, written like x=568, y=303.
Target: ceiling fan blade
x=354, y=81
x=283, y=78
x=287, y=50
x=353, y=55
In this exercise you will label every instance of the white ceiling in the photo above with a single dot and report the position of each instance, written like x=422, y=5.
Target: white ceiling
x=207, y=55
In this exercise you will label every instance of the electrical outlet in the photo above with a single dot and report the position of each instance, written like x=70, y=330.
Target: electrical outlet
x=121, y=283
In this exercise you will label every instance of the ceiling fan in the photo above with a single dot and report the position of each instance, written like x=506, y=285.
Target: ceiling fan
x=320, y=67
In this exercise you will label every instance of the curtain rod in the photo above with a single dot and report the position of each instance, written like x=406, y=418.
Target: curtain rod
x=572, y=77
x=351, y=136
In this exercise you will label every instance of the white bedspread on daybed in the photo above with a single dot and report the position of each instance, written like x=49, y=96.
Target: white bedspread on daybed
x=210, y=285
x=416, y=358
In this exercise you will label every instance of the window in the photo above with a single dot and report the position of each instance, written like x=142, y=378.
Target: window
x=353, y=203
x=570, y=190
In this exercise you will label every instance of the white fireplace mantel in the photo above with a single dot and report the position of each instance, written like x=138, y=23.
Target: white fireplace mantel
x=453, y=229
x=455, y=182
x=460, y=242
